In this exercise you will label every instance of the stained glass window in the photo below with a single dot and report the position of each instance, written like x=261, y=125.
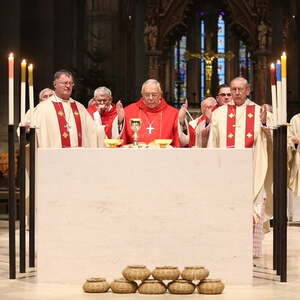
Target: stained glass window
x=180, y=71
x=221, y=48
x=202, y=63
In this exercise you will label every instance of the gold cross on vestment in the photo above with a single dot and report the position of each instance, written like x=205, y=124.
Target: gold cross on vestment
x=209, y=56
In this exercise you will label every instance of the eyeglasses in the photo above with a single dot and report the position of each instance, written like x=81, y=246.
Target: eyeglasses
x=225, y=94
x=65, y=83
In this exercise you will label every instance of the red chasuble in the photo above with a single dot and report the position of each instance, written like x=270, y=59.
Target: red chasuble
x=249, y=126
x=157, y=123
x=107, y=118
x=63, y=125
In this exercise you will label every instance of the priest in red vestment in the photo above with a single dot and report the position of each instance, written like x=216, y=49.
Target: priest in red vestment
x=159, y=119
x=104, y=112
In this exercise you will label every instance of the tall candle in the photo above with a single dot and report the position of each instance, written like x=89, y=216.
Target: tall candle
x=23, y=91
x=31, y=96
x=283, y=88
x=279, y=93
x=273, y=93
x=11, y=89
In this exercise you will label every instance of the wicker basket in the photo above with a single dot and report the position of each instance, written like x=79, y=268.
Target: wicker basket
x=136, y=272
x=152, y=286
x=96, y=285
x=194, y=273
x=181, y=286
x=210, y=286
x=123, y=286
x=166, y=273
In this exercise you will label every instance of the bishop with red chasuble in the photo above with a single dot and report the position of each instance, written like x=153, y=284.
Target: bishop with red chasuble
x=158, y=119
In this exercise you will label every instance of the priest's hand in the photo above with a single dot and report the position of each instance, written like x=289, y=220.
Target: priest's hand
x=263, y=114
x=208, y=113
x=120, y=111
x=182, y=112
x=295, y=140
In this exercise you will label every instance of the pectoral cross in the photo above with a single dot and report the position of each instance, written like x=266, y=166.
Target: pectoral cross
x=150, y=128
x=208, y=56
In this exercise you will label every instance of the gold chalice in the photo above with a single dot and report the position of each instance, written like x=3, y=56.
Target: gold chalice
x=135, y=125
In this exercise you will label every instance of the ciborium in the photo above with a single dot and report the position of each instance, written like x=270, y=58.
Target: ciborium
x=135, y=125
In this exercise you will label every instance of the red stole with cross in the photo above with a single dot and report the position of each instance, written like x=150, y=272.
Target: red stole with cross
x=231, y=125
x=63, y=125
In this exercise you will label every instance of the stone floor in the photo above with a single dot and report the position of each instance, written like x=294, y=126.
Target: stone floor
x=265, y=285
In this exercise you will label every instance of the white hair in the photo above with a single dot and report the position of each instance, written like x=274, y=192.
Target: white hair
x=102, y=90
x=151, y=81
x=42, y=92
x=241, y=79
x=211, y=99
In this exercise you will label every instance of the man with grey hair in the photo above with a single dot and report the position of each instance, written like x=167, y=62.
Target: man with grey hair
x=104, y=112
x=45, y=94
x=159, y=120
x=62, y=122
x=201, y=126
x=242, y=124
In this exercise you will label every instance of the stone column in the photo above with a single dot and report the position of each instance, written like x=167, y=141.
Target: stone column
x=262, y=82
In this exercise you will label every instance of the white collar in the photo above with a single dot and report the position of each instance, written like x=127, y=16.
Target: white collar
x=55, y=98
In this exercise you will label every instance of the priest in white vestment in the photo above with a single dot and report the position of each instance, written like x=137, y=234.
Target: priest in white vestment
x=201, y=125
x=242, y=124
x=294, y=155
x=62, y=122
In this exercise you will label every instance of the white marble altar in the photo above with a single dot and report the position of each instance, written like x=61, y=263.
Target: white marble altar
x=99, y=210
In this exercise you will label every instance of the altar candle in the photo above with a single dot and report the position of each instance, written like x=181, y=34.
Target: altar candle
x=283, y=88
x=279, y=93
x=273, y=93
x=11, y=89
x=23, y=91
x=31, y=96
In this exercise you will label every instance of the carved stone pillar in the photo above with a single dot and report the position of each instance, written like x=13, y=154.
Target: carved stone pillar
x=262, y=82
x=154, y=57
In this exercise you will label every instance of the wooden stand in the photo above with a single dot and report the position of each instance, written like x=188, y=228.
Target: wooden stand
x=32, y=199
x=22, y=209
x=11, y=202
x=280, y=202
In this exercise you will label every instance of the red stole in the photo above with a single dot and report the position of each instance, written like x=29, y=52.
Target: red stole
x=107, y=118
x=62, y=122
x=231, y=123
